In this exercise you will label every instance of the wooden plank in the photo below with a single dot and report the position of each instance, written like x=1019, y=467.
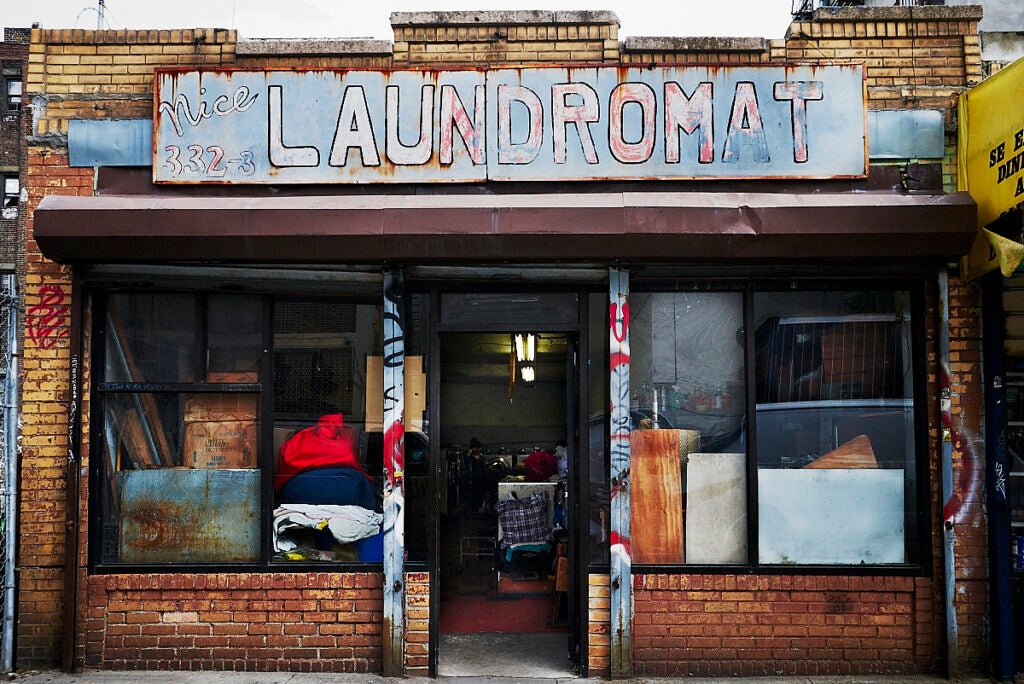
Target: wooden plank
x=857, y=453
x=656, y=506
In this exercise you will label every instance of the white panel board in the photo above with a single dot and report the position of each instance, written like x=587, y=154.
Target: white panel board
x=837, y=516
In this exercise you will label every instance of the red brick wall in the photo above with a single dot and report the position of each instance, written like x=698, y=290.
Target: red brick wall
x=745, y=625
x=300, y=622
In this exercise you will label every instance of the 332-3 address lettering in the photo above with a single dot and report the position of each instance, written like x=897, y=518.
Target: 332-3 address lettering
x=207, y=161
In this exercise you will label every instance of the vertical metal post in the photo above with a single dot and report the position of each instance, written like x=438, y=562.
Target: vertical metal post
x=10, y=473
x=948, y=531
x=993, y=329
x=394, y=466
x=621, y=572
x=73, y=481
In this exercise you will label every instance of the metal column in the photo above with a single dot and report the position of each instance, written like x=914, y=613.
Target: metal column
x=394, y=487
x=9, y=449
x=996, y=469
x=948, y=531
x=621, y=572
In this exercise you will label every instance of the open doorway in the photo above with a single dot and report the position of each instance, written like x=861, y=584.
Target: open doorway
x=505, y=412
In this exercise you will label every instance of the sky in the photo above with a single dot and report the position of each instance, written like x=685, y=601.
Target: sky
x=361, y=19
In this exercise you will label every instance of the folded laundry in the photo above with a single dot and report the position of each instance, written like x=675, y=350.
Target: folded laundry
x=346, y=523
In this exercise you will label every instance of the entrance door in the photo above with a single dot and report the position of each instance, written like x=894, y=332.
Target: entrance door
x=507, y=400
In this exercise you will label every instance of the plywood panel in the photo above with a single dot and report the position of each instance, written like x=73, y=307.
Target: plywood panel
x=656, y=497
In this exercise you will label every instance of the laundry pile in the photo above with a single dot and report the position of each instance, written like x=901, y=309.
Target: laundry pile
x=327, y=509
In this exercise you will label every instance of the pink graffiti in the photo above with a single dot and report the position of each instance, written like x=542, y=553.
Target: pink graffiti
x=394, y=453
x=968, y=479
x=620, y=326
x=46, y=322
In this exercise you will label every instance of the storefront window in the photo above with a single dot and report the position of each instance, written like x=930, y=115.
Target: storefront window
x=835, y=448
x=835, y=417
x=185, y=458
x=687, y=466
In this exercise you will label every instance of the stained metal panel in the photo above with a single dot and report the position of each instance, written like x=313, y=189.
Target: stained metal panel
x=906, y=134
x=542, y=124
x=121, y=142
x=182, y=515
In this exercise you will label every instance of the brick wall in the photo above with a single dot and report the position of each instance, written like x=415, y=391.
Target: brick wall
x=13, y=56
x=598, y=636
x=744, y=625
x=417, y=624
x=45, y=368
x=515, y=38
x=301, y=622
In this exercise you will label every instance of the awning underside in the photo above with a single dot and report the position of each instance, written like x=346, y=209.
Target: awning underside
x=437, y=229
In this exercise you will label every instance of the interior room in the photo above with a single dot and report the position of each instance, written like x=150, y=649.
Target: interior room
x=504, y=537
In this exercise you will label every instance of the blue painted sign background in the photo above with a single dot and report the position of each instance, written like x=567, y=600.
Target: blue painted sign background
x=554, y=123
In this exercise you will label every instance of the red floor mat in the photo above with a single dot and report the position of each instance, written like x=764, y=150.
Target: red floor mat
x=521, y=614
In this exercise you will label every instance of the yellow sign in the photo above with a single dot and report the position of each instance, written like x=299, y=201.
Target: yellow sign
x=991, y=153
x=991, y=251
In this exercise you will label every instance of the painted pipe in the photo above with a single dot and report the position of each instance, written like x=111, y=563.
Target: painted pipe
x=10, y=474
x=948, y=531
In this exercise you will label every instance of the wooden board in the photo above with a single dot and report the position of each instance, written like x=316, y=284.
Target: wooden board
x=857, y=453
x=656, y=497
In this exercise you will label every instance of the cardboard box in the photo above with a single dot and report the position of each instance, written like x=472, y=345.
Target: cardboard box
x=221, y=444
x=220, y=407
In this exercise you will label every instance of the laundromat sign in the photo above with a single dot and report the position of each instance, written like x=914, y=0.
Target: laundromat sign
x=555, y=123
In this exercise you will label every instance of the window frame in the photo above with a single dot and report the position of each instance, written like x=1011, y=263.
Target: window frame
x=263, y=389
x=16, y=196
x=917, y=543
x=8, y=78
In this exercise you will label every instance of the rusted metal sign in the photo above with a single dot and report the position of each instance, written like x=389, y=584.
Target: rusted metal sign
x=191, y=515
x=555, y=123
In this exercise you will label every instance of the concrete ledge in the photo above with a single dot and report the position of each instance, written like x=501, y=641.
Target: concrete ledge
x=913, y=13
x=313, y=46
x=695, y=44
x=503, y=18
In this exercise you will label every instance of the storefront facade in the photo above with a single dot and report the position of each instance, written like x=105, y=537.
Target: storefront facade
x=682, y=274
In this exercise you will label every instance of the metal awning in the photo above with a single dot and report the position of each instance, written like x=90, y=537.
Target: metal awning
x=425, y=229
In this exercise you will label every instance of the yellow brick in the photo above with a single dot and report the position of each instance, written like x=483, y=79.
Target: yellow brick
x=112, y=50
x=79, y=49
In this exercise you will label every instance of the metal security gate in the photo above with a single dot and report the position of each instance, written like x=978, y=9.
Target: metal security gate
x=8, y=462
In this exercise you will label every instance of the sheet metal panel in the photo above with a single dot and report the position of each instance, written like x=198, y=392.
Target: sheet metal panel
x=183, y=515
x=906, y=134
x=121, y=142
x=543, y=124
x=394, y=475
x=883, y=227
x=621, y=570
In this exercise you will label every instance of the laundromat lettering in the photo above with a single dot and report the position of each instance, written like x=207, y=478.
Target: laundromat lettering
x=530, y=124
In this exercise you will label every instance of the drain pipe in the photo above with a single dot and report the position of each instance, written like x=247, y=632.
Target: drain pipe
x=949, y=534
x=10, y=475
